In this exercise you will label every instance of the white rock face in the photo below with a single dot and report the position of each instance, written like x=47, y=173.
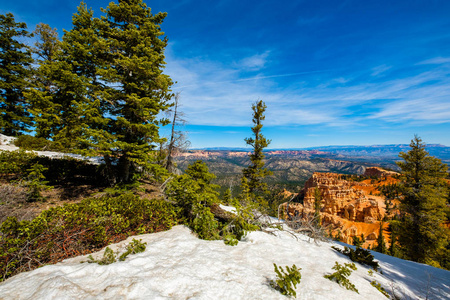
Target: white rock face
x=177, y=265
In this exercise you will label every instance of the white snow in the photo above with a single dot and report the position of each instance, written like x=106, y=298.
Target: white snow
x=7, y=144
x=178, y=265
x=6, y=140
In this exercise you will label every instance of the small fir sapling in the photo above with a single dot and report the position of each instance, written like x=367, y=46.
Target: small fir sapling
x=341, y=274
x=286, y=281
x=359, y=255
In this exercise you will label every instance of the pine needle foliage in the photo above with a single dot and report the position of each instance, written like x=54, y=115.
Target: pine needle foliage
x=36, y=182
x=286, y=281
x=109, y=257
x=195, y=193
x=136, y=246
x=378, y=286
x=423, y=199
x=15, y=62
x=341, y=274
x=359, y=255
x=256, y=172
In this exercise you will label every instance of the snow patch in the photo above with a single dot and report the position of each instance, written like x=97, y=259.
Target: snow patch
x=178, y=265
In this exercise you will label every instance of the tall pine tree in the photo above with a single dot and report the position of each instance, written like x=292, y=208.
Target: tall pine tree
x=15, y=61
x=140, y=91
x=103, y=91
x=41, y=97
x=423, y=204
x=256, y=172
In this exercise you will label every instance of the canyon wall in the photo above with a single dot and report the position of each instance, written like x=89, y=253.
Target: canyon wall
x=345, y=206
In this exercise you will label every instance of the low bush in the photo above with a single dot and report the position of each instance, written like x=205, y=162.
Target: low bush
x=109, y=257
x=286, y=281
x=36, y=183
x=136, y=246
x=79, y=229
x=28, y=142
x=341, y=274
x=360, y=255
x=14, y=164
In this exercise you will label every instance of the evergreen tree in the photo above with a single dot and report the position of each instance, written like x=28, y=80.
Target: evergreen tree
x=66, y=102
x=195, y=194
x=103, y=92
x=393, y=230
x=227, y=197
x=256, y=172
x=15, y=61
x=424, y=191
x=86, y=111
x=134, y=68
x=357, y=242
x=42, y=96
x=381, y=244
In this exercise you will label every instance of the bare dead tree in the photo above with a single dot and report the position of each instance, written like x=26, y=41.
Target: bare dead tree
x=178, y=140
x=308, y=224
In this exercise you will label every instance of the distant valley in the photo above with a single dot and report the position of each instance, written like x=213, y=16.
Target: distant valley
x=292, y=167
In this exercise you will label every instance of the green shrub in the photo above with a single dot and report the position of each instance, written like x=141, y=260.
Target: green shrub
x=286, y=281
x=194, y=193
x=378, y=286
x=204, y=223
x=14, y=164
x=133, y=248
x=360, y=255
x=36, y=182
x=28, y=142
x=110, y=257
x=237, y=228
x=341, y=274
x=79, y=229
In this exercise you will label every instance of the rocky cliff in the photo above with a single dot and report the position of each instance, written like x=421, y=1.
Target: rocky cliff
x=345, y=206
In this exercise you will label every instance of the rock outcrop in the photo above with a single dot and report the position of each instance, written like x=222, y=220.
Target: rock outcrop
x=378, y=172
x=343, y=206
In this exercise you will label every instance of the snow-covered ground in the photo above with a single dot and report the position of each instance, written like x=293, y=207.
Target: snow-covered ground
x=6, y=140
x=7, y=144
x=178, y=265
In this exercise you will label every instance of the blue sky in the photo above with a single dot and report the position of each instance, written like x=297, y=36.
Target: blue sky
x=331, y=72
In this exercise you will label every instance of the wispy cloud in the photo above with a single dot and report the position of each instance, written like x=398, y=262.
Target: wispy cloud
x=436, y=60
x=217, y=94
x=380, y=69
x=254, y=63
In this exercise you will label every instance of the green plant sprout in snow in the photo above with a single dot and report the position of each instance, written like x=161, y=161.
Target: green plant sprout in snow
x=110, y=257
x=341, y=274
x=378, y=286
x=286, y=281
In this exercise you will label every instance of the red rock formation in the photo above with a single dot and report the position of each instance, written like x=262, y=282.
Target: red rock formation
x=343, y=207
